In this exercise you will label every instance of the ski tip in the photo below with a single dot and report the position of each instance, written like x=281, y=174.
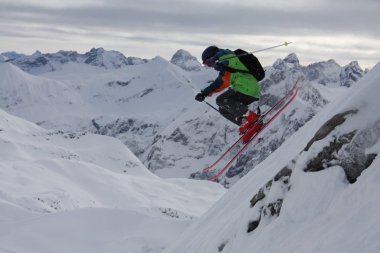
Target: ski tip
x=287, y=43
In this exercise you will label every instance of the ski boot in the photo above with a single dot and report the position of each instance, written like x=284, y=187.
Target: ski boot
x=251, y=132
x=248, y=122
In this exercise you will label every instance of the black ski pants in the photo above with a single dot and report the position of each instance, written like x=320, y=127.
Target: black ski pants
x=233, y=105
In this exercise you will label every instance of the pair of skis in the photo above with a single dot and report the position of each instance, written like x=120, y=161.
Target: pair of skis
x=251, y=134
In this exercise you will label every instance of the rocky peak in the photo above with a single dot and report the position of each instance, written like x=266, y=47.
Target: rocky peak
x=350, y=74
x=325, y=72
x=95, y=52
x=95, y=57
x=186, y=61
x=37, y=53
x=292, y=58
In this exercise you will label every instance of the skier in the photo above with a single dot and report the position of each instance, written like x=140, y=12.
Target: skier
x=243, y=87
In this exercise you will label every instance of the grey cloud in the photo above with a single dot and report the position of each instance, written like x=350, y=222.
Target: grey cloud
x=196, y=23
x=194, y=17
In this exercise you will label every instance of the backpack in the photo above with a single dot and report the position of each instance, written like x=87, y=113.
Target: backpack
x=251, y=63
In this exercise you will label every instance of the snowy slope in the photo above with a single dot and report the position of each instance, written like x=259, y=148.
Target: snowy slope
x=80, y=192
x=33, y=97
x=316, y=193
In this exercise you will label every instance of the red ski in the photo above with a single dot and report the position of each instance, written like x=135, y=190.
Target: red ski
x=252, y=133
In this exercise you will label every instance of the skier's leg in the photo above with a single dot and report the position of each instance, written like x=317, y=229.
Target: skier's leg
x=230, y=101
x=229, y=116
x=235, y=104
x=227, y=105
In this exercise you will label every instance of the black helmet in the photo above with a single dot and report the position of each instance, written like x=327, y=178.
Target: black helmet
x=209, y=52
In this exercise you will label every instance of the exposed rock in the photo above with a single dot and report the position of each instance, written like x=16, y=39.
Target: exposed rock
x=258, y=196
x=347, y=150
x=285, y=172
x=329, y=126
x=273, y=208
x=368, y=160
x=329, y=153
x=252, y=225
x=221, y=246
x=353, y=157
x=267, y=208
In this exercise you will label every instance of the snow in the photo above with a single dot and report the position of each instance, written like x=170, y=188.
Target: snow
x=89, y=230
x=80, y=192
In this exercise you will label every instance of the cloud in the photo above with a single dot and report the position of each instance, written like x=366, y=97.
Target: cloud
x=193, y=23
x=208, y=17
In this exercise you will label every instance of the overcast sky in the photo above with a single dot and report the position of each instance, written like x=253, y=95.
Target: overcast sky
x=320, y=30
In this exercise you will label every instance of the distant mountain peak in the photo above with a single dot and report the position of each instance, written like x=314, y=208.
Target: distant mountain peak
x=99, y=49
x=186, y=61
x=350, y=74
x=37, y=53
x=182, y=53
x=292, y=58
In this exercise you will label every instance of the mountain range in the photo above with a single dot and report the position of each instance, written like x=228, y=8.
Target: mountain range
x=149, y=105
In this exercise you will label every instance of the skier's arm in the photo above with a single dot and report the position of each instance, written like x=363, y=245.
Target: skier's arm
x=221, y=67
x=213, y=86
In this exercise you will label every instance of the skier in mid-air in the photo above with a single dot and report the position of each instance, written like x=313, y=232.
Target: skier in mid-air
x=243, y=86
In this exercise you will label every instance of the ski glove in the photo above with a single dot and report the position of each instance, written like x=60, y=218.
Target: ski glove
x=200, y=97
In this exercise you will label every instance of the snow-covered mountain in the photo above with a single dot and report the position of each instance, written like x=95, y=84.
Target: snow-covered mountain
x=80, y=192
x=186, y=61
x=316, y=193
x=151, y=107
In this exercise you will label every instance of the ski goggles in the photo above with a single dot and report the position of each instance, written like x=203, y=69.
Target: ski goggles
x=210, y=62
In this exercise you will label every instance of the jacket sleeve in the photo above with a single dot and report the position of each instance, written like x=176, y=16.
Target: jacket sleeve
x=213, y=86
x=217, y=83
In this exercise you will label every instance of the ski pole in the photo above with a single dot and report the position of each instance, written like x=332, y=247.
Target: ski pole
x=260, y=50
x=212, y=106
x=268, y=48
